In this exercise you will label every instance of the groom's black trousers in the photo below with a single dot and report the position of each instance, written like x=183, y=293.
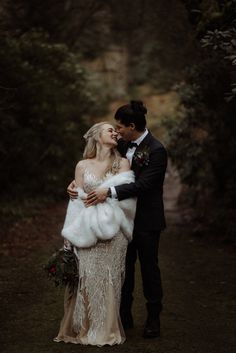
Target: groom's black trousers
x=144, y=245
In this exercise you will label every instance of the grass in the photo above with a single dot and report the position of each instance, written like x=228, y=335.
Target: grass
x=198, y=303
x=32, y=309
x=13, y=210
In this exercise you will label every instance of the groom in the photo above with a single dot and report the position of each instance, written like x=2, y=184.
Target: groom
x=148, y=160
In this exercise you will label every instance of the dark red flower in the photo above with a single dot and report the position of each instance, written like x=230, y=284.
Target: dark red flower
x=53, y=269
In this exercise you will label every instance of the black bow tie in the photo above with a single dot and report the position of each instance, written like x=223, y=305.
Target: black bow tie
x=132, y=144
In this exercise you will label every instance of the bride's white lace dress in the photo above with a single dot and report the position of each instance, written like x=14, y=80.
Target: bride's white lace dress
x=91, y=312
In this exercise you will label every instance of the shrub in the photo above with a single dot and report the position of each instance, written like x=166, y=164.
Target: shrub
x=43, y=114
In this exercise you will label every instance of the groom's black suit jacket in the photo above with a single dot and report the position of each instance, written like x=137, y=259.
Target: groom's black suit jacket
x=148, y=185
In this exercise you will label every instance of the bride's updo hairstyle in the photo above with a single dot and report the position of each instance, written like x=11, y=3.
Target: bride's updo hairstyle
x=134, y=112
x=93, y=146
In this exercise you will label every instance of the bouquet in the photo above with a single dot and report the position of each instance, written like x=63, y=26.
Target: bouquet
x=62, y=268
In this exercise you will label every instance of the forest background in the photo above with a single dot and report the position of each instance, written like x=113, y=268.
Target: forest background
x=58, y=72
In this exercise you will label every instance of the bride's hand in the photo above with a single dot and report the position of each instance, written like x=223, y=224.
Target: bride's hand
x=71, y=190
x=96, y=196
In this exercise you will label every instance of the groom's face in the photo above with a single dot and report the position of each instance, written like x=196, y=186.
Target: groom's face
x=126, y=132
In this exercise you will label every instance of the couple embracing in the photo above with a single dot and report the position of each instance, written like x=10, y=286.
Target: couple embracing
x=115, y=214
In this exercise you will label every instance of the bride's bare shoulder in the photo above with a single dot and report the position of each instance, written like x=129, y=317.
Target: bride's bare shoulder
x=81, y=165
x=124, y=165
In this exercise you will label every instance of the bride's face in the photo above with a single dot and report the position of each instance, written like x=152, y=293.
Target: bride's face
x=108, y=135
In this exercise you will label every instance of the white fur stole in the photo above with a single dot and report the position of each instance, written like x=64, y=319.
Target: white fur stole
x=84, y=226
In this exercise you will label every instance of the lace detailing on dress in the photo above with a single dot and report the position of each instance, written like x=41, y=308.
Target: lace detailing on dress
x=99, y=267
x=91, y=181
x=101, y=272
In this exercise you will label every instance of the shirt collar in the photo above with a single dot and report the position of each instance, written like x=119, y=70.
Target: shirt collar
x=141, y=138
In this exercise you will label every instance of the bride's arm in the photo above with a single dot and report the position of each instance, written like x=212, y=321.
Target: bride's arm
x=79, y=174
x=78, y=181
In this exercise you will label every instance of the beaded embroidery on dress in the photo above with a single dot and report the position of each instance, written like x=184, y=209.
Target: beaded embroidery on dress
x=91, y=313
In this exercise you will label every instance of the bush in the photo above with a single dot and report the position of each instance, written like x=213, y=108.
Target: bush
x=201, y=138
x=43, y=114
x=201, y=141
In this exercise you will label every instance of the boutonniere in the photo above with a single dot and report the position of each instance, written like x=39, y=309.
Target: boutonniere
x=142, y=157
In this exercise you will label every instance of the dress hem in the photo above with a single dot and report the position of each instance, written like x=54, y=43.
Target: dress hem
x=74, y=341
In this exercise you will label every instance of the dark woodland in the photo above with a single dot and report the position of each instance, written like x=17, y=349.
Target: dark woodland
x=66, y=64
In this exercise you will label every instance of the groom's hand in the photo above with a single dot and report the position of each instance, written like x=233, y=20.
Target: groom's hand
x=72, y=190
x=96, y=196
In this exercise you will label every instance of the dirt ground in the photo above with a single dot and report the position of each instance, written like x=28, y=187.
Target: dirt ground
x=198, y=280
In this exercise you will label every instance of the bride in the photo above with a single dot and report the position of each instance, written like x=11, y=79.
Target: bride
x=99, y=236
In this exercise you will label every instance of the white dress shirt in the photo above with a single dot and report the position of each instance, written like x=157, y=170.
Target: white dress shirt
x=129, y=156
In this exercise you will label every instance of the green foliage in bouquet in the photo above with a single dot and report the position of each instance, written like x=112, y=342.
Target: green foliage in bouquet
x=62, y=268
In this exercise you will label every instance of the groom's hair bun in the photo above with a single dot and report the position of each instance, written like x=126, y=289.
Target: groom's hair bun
x=132, y=113
x=138, y=107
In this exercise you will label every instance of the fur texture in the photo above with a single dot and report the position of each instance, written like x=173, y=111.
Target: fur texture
x=83, y=226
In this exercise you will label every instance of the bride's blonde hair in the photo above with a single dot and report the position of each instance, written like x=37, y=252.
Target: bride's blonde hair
x=93, y=146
